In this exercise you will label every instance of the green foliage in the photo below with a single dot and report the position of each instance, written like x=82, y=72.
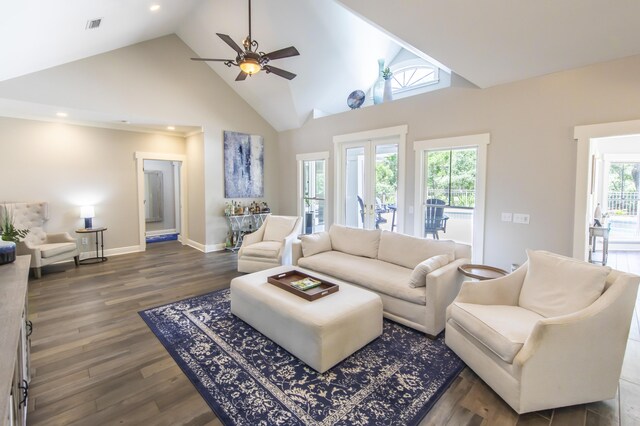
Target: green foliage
x=387, y=179
x=387, y=74
x=7, y=230
x=455, y=169
x=624, y=177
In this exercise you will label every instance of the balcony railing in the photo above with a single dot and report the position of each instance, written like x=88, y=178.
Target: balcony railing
x=459, y=197
x=623, y=203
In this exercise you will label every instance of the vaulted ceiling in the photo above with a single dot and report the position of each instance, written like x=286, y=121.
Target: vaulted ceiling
x=488, y=43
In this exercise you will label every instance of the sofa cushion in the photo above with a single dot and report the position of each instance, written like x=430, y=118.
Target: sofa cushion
x=359, y=242
x=381, y=277
x=501, y=329
x=408, y=251
x=54, y=249
x=315, y=243
x=278, y=227
x=418, y=276
x=557, y=285
x=266, y=249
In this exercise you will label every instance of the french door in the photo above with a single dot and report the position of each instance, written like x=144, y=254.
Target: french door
x=369, y=186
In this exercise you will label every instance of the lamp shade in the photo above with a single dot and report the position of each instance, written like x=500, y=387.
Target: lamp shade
x=87, y=212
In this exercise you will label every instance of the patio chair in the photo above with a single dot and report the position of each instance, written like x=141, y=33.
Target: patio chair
x=435, y=219
x=379, y=211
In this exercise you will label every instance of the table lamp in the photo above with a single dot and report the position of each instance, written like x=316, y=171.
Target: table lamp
x=87, y=213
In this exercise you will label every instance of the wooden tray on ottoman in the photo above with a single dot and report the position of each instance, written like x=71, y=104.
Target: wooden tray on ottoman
x=285, y=279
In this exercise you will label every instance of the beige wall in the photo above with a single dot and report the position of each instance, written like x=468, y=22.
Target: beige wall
x=531, y=158
x=195, y=188
x=70, y=166
x=156, y=82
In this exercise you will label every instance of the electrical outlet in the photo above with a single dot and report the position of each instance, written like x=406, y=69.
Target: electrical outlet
x=506, y=217
x=521, y=218
x=85, y=241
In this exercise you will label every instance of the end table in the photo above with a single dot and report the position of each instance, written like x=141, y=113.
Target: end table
x=99, y=239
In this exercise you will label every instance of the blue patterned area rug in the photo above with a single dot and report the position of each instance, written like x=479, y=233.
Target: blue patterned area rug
x=249, y=380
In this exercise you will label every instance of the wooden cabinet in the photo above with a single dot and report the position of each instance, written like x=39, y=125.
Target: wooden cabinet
x=14, y=335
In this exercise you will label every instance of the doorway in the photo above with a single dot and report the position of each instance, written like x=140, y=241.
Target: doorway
x=162, y=208
x=161, y=200
x=370, y=179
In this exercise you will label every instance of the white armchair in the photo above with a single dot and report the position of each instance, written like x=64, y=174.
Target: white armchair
x=44, y=248
x=270, y=245
x=551, y=334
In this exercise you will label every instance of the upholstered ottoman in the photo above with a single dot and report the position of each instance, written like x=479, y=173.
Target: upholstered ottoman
x=321, y=333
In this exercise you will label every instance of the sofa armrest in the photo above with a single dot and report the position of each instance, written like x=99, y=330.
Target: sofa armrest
x=24, y=248
x=62, y=237
x=296, y=251
x=252, y=238
x=498, y=291
x=591, y=340
x=285, y=254
x=442, y=286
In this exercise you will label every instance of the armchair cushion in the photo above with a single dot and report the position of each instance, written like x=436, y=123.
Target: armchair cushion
x=278, y=227
x=557, y=285
x=419, y=274
x=500, y=328
x=266, y=249
x=54, y=249
x=315, y=243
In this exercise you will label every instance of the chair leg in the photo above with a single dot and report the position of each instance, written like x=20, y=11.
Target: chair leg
x=37, y=273
x=76, y=259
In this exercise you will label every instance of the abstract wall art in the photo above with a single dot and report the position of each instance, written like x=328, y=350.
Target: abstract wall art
x=243, y=165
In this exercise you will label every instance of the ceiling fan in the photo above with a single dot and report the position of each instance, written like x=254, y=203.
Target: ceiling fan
x=250, y=60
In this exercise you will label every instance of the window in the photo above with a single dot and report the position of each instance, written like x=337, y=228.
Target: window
x=413, y=77
x=451, y=176
x=312, y=184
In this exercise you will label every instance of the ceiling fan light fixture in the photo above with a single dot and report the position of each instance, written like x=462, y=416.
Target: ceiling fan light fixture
x=250, y=66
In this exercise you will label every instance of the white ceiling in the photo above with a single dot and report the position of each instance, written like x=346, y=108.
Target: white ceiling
x=488, y=43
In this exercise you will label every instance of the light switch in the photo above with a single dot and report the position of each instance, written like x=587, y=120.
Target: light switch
x=521, y=218
x=506, y=217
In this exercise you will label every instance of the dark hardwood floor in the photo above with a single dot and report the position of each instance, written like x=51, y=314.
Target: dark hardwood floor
x=95, y=362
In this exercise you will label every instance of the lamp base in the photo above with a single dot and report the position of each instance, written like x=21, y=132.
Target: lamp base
x=88, y=223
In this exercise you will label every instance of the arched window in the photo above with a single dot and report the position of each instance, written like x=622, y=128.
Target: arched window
x=413, y=77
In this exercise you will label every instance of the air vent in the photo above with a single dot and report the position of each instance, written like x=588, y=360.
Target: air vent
x=93, y=23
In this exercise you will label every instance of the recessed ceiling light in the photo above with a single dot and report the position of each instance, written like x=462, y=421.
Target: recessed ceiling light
x=61, y=114
x=154, y=7
x=171, y=128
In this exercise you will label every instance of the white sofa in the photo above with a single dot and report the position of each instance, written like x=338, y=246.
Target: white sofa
x=551, y=334
x=270, y=245
x=385, y=262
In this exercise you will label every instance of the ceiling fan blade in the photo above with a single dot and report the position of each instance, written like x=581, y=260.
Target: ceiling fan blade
x=231, y=43
x=209, y=59
x=282, y=73
x=241, y=76
x=283, y=53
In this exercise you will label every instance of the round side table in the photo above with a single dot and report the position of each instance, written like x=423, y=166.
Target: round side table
x=481, y=272
x=99, y=258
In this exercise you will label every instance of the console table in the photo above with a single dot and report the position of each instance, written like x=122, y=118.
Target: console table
x=14, y=335
x=595, y=232
x=242, y=224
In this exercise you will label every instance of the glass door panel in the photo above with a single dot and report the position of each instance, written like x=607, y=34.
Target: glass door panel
x=354, y=178
x=450, y=193
x=386, y=186
x=314, y=195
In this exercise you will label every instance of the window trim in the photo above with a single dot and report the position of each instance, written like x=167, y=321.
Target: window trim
x=480, y=141
x=404, y=67
x=312, y=156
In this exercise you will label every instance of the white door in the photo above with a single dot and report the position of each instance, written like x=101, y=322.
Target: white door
x=369, y=191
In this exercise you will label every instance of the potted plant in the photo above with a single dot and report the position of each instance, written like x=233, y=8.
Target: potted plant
x=10, y=236
x=387, y=94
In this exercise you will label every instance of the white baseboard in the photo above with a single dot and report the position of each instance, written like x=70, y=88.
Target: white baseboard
x=111, y=252
x=205, y=248
x=160, y=232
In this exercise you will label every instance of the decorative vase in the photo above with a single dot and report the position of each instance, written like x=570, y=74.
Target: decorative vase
x=7, y=252
x=378, y=86
x=388, y=94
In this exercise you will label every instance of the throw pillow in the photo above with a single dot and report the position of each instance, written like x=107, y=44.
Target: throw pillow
x=557, y=285
x=418, y=277
x=315, y=243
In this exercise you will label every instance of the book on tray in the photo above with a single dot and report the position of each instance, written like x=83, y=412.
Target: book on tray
x=305, y=284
